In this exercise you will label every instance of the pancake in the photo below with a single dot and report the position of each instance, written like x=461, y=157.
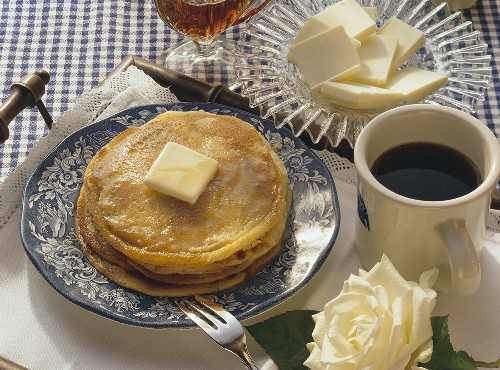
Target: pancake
x=160, y=245
x=135, y=280
x=89, y=236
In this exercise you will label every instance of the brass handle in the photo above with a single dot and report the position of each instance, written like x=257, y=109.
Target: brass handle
x=24, y=94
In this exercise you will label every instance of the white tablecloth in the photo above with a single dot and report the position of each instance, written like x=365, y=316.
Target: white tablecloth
x=40, y=329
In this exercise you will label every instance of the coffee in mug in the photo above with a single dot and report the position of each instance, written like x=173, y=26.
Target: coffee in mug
x=426, y=174
x=426, y=171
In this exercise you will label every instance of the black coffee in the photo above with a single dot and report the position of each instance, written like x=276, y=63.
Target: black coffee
x=426, y=171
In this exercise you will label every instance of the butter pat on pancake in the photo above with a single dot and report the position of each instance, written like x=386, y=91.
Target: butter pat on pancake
x=181, y=172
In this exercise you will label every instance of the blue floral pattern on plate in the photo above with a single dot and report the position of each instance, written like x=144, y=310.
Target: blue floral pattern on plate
x=48, y=226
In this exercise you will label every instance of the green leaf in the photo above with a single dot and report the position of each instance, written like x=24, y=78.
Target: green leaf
x=284, y=337
x=443, y=354
x=487, y=365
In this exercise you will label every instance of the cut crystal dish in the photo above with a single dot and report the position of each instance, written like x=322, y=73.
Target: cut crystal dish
x=274, y=84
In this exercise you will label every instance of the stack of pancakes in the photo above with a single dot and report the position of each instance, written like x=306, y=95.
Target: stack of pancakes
x=162, y=246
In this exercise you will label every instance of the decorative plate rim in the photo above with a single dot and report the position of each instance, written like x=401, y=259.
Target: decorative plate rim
x=56, y=268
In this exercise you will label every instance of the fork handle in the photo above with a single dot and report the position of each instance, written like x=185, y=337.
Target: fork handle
x=247, y=360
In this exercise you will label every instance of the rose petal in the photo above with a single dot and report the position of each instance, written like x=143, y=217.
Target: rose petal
x=343, y=324
x=313, y=361
x=320, y=330
x=423, y=304
x=345, y=302
x=370, y=358
x=404, y=358
x=357, y=284
x=376, y=346
x=423, y=353
x=428, y=278
x=384, y=273
x=398, y=336
x=382, y=297
x=374, y=305
x=337, y=350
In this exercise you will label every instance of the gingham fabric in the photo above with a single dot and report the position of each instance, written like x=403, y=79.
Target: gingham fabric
x=80, y=41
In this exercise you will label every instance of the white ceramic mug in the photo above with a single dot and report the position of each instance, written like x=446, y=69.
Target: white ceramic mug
x=418, y=235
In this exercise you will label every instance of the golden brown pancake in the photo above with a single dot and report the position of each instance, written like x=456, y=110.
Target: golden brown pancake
x=135, y=280
x=135, y=234
x=88, y=235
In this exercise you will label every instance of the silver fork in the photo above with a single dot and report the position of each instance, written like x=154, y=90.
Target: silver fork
x=220, y=325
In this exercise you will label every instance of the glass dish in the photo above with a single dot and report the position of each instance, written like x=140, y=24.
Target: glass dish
x=275, y=85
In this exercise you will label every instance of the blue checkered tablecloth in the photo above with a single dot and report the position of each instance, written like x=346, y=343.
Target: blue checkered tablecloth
x=80, y=41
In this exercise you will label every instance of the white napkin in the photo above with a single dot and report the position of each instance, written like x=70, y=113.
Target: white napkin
x=40, y=329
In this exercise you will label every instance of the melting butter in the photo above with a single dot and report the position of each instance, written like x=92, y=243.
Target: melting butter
x=181, y=172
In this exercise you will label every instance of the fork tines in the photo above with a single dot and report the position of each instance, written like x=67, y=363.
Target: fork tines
x=220, y=325
x=212, y=318
x=203, y=312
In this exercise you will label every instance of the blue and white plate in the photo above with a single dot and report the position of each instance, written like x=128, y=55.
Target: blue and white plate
x=48, y=226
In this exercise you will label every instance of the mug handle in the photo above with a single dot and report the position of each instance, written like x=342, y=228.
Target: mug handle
x=463, y=272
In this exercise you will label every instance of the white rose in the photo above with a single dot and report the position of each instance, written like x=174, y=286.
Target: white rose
x=378, y=321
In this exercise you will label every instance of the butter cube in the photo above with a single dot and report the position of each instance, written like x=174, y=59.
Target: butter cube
x=313, y=27
x=371, y=11
x=329, y=55
x=359, y=96
x=181, y=172
x=350, y=15
x=376, y=54
x=414, y=83
x=410, y=39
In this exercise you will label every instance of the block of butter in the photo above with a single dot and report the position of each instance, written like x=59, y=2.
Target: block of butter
x=329, y=55
x=410, y=39
x=350, y=15
x=181, y=172
x=414, y=83
x=376, y=54
x=360, y=96
x=313, y=27
x=372, y=12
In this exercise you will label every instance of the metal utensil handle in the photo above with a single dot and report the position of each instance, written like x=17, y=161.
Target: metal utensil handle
x=24, y=94
x=247, y=360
